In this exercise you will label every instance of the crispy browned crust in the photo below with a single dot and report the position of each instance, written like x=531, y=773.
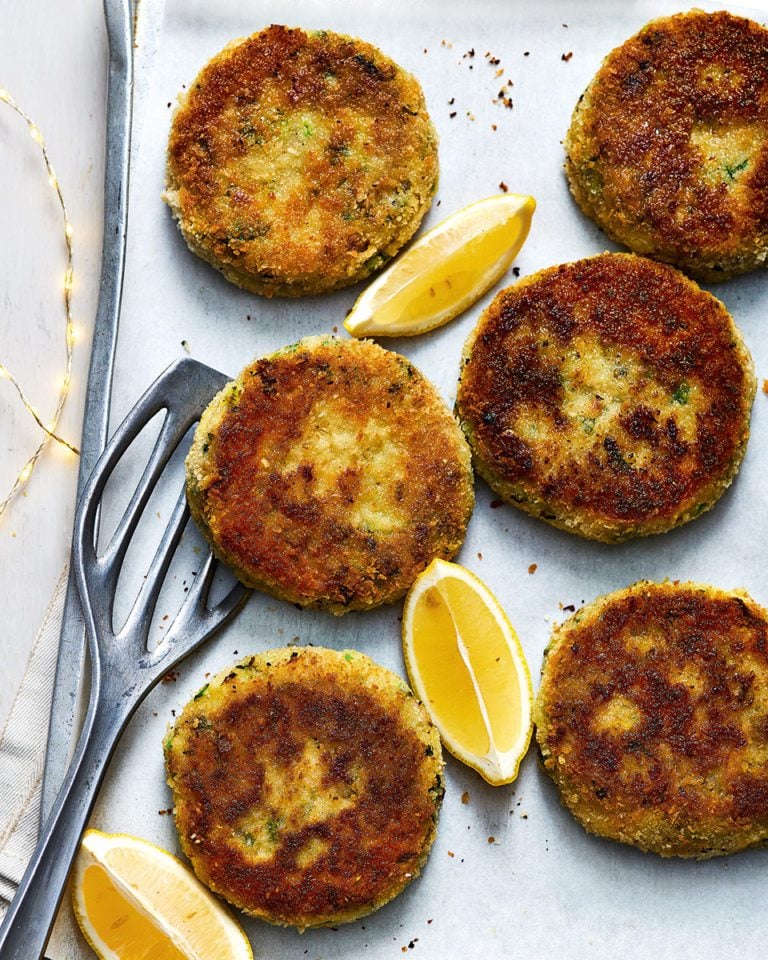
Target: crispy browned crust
x=645, y=149
x=300, y=161
x=652, y=718
x=330, y=474
x=359, y=769
x=666, y=426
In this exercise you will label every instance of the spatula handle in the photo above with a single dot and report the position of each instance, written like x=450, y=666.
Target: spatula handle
x=119, y=18
x=29, y=920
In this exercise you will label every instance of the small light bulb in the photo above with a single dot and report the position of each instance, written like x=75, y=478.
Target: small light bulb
x=26, y=472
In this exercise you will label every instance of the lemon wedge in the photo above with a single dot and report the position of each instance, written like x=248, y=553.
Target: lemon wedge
x=466, y=665
x=445, y=271
x=134, y=901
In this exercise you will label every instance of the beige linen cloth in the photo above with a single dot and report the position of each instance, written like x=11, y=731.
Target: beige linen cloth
x=22, y=751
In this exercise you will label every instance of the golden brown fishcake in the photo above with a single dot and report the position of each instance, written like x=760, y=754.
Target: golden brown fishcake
x=610, y=397
x=652, y=718
x=330, y=474
x=307, y=784
x=300, y=161
x=668, y=146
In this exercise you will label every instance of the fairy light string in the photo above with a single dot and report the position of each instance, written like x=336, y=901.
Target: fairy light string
x=49, y=429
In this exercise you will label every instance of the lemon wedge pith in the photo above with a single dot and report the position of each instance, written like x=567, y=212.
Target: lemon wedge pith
x=445, y=271
x=465, y=663
x=133, y=901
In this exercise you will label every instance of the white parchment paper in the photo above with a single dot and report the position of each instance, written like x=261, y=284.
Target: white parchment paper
x=511, y=873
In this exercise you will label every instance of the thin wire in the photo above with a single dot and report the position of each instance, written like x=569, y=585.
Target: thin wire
x=49, y=430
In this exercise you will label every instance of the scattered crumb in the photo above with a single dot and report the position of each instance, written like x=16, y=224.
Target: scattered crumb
x=334, y=329
x=516, y=271
x=765, y=386
x=446, y=43
x=470, y=53
x=494, y=127
x=452, y=115
x=479, y=555
x=465, y=797
x=527, y=53
x=430, y=920
x=523, y=816
x=165, y=813
x=533, y=568
x=452, y=101
x=171, y=677
x=470, y=115
x=503, y=186
x=567, y=56
x=425, y=49
x=491, y=839
x=569, y=608
x=185, y=344
x=495, y=504
x=451, y=853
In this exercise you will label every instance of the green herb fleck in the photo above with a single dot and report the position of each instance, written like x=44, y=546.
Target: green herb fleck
x=348, y=656
x=588, y=424
x=682, y=393
x=273, y=828
x=731, y=171
x=201, y=692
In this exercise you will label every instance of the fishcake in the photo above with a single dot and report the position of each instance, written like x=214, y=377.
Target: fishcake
x=652, y=718
x=330, y=474
x=307, y=785
x=300, y=161
x=611, y=397
x=668, y=146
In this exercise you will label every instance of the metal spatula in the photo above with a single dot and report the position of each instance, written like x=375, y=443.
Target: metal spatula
x=123, y=668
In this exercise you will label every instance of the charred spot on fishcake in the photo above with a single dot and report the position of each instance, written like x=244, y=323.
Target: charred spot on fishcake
x=309, y=794
x=668, y=147
x=300, y=161
x=651, y=718
x=331, y=474
x=610, y=396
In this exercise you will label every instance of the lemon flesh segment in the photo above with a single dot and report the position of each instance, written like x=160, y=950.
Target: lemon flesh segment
x=465, y=662
x=445, y=271
x=134, y=901
x=450, y=691
x=124, y=930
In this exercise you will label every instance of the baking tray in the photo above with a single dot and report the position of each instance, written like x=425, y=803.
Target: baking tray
x=511, y=873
